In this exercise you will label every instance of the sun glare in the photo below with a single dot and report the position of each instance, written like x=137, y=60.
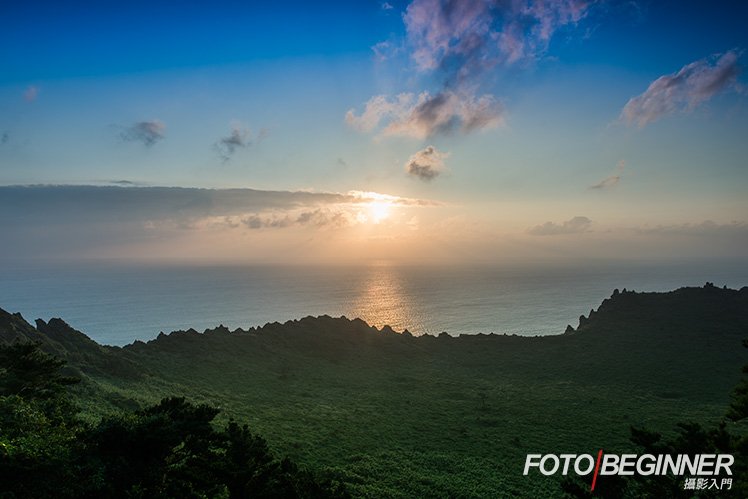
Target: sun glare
x=379, y=210
x=375, y=207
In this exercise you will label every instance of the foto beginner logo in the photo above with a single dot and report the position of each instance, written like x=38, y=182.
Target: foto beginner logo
x=696, y=465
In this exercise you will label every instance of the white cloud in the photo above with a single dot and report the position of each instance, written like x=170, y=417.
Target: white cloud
x=377, y=109
x=426, y=115
x=692, y=85
x=469, y=36
x=458, y=41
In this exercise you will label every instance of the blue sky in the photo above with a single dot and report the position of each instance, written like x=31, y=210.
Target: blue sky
x=520, y=129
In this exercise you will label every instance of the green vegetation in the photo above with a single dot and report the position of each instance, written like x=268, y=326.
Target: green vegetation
x=727, y=437
x=168, y=450
x=391, y=415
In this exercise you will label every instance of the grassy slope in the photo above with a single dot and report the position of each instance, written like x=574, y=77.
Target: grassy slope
x=402, y=416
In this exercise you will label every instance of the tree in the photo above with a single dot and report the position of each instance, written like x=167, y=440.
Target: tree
x=167, y=450
x=38, y=432
x=738, y=409
x=29, y=372
x=250, y=470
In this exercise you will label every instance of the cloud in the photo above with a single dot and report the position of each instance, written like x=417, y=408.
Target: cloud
x=438, y=30
x=367, y=197
x=530, y=28
x=707, y=228
x=239, y=138
x=318, y=218
x=76, y=221
x=464, y=38
x=147, y=132
x=31, y=93
x=259, y=221
x=377, y=109
x=125, y=183
x=458, y=41
x=447, y=112
x=612, y=180
x=94, y=204
x=427, y=115
x=384, y=50
x=692, y=85
x=426, y=164
x=576, y=225
x=607, y=183
x=387, y=6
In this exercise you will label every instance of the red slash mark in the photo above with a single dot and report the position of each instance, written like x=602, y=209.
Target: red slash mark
x=597, y=469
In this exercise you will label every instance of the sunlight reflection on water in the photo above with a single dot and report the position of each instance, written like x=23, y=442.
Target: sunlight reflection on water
x=382, y=299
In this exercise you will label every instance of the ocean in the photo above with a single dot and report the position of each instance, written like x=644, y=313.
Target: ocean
x=117, y=304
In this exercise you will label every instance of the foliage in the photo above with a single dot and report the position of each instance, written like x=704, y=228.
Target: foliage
x=37, y=452
x=738, y=410
x=37, y=433
x=27, y=371
x=170, y=449
x=690, y=438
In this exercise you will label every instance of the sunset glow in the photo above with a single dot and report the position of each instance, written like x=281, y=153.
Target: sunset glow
x=381, y=248
x=379, y=210
x=382, y=138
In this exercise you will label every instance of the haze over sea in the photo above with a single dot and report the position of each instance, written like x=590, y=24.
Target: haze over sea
x=117, y=304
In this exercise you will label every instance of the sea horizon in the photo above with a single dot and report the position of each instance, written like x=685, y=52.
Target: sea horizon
x=118, y=303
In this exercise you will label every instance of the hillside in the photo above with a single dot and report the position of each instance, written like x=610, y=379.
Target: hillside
x=398, y=415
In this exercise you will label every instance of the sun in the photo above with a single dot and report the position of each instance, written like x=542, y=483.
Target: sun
x=374, y=207
x=379, y=211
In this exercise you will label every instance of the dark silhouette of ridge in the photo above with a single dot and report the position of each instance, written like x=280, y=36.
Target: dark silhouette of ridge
x=689, y=337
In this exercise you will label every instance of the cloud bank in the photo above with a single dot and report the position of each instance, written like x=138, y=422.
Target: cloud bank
x=576, y=225
x=76, y=221
x=319, y=218
x=60, y=223
x=707, y=228
x=88, y=203
x=685, y=90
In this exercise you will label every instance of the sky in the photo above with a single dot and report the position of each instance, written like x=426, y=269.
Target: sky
x=344, y=132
